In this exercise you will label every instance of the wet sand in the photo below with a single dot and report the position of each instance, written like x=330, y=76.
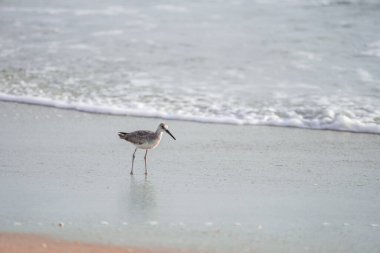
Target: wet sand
x=218, y=188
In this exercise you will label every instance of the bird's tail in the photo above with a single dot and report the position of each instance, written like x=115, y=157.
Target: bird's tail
x=122, y=135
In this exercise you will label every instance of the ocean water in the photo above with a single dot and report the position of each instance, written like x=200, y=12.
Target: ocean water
x=300, y=63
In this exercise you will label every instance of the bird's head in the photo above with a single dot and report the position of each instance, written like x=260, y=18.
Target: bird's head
x=164, y=127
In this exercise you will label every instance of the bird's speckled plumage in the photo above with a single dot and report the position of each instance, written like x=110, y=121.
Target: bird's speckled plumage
x=143, y=139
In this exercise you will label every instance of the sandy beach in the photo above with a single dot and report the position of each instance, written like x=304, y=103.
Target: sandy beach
x=21, y=243
x=275, y=107
x=218, y=188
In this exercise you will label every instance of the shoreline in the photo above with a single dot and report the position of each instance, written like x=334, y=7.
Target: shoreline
x=99, y=110
x=217, y=188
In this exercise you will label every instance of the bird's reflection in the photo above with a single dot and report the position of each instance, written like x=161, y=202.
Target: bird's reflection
x=141, y=201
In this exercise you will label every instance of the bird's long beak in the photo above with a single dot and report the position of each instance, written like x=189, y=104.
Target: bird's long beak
x=170, y=134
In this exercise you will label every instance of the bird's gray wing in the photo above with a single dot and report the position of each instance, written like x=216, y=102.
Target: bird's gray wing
x=139, y=137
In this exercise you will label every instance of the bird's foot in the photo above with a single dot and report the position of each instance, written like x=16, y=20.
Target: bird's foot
x=131, y=173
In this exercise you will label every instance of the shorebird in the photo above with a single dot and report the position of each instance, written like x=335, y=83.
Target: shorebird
x=145, y=140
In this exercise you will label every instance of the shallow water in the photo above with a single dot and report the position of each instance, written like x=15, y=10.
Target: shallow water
x=217, y=188
x=311, y=64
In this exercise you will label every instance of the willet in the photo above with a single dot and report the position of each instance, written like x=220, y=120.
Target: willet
x=145, y=140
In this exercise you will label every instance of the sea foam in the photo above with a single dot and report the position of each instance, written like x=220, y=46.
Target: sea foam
x=362, y=120
x=229, y=63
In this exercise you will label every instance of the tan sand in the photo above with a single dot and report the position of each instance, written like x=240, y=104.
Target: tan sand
x=25, y=243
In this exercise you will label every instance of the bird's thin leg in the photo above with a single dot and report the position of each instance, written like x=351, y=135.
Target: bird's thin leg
x=146, y=152
x=133, y=159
